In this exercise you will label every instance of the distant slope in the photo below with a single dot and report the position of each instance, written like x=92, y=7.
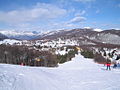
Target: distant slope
x=107, y=36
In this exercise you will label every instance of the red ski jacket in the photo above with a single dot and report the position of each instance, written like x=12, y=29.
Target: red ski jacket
x=108, y=64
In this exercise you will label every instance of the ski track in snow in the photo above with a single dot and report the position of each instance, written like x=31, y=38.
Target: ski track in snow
x=78, y=74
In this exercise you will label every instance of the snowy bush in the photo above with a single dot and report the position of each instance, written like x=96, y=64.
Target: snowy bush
x=87, y=54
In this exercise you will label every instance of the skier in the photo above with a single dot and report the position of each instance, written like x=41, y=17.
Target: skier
x=22, y=64
x=108, y=64
x=115, y=65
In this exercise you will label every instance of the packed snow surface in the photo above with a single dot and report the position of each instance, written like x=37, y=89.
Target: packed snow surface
x=78, y=74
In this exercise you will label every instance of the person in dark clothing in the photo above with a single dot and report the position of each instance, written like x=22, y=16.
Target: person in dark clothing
x=115, y=65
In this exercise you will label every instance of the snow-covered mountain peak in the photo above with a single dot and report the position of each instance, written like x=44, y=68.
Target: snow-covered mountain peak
x=98, y=30
x=20, y=34
x=94, y=29
x=14, y=33
x=87, y=28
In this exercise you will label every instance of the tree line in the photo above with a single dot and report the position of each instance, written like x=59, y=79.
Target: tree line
x=13, y=54
x=24, y=55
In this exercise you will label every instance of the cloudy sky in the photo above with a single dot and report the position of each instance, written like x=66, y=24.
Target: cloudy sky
x=59, y=14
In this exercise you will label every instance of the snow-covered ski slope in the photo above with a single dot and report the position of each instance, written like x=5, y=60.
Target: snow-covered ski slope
x=78, y=74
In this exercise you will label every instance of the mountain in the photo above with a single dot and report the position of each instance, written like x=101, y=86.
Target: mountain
x=107, y=36
x=85, y=36
x=22, y=35
x=3, y=37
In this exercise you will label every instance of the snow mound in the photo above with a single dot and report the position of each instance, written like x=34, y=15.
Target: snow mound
x=79, y=62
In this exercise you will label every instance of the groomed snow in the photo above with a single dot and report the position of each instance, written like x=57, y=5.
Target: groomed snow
x=78, y=74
